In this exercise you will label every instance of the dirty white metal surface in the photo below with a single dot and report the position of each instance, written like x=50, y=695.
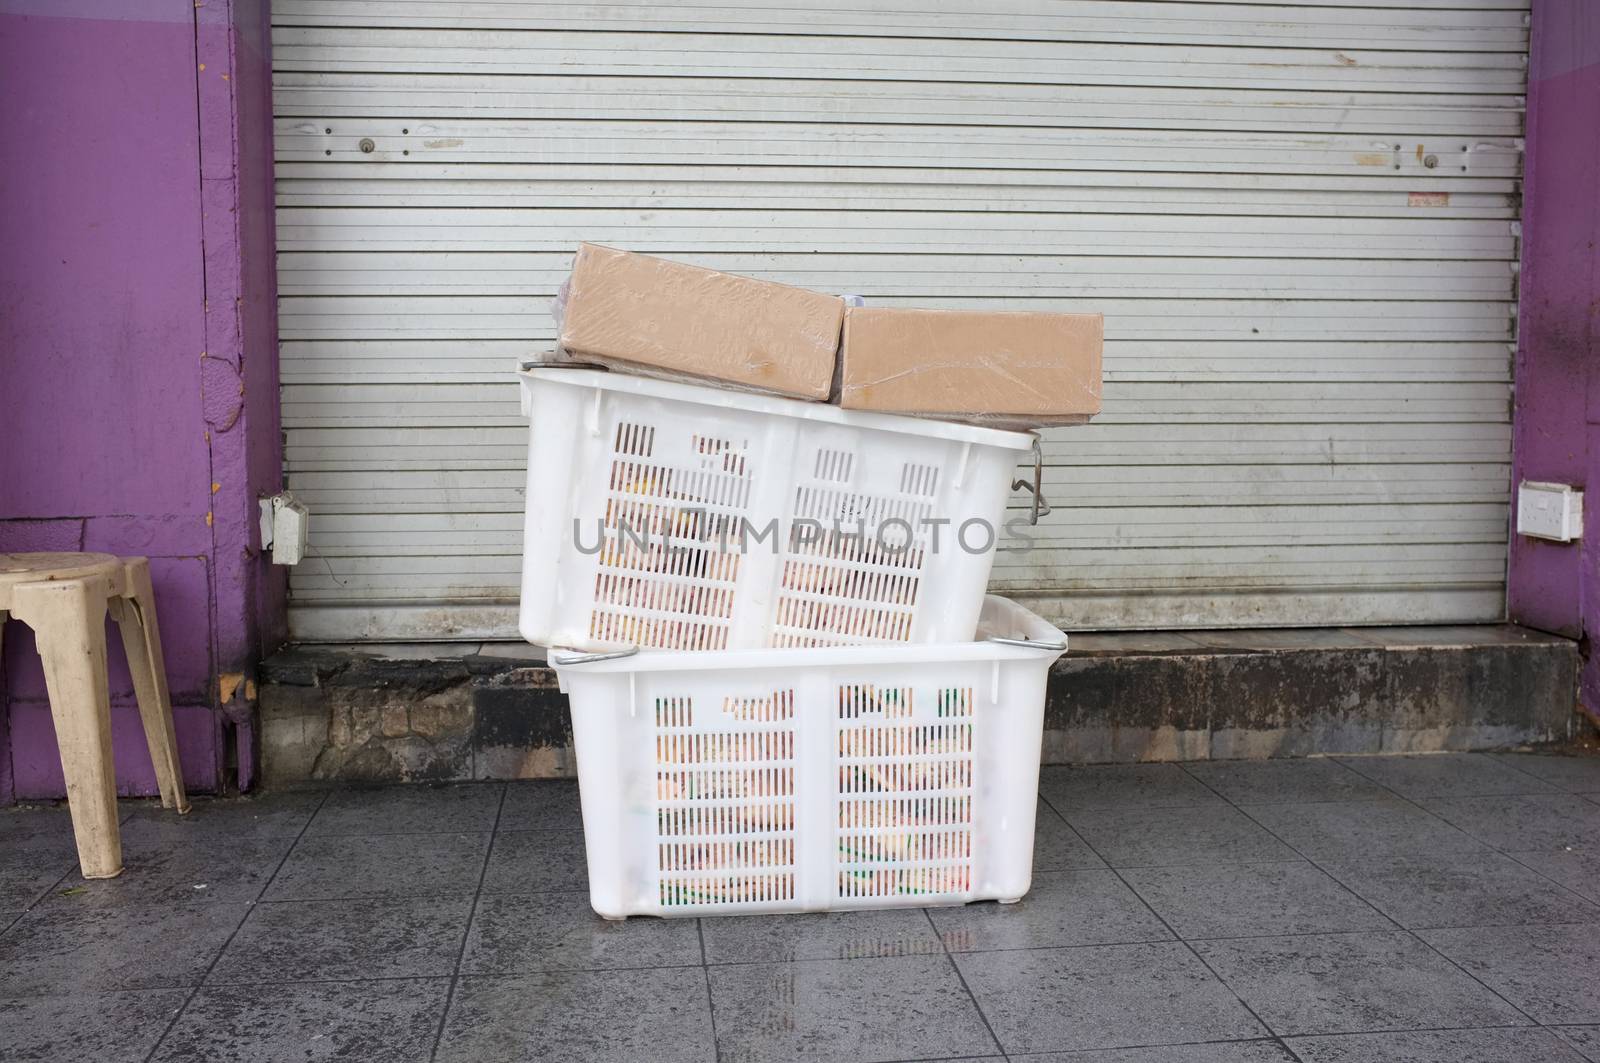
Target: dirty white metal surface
x=1549, y=511
x=1299, y=220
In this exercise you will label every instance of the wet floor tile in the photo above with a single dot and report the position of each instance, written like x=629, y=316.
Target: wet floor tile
x=393, y=1020
x=1585, y=1040
x=28, y=870
x=1213, y=1052
x=1103, y=996
x=1446, y=775
x=1057, y=847
x=1156, y=837
x=1446, y=1046
x=159, y=868
x=1479, y=889
x=526, y=861
x=1577, y=870
x=1577, y=775
x=293, y=941
x=1352, y=983
x=852, y=1011
x=1063, y=908
x=456, y=809
x=1252, y=900
x=86, y=1026
x=1541, y=822
x=222, y=818
x=383, y=865
x=1289, y=781
x=581, y=1017
x=542, y=804
x=819, y=936
x=1122, y=786
x=29, y=823
x=1550, y=972
x=73, y=948
x=553, y=931
x=1362, y=830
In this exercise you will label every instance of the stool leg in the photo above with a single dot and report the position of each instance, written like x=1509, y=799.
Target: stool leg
x=68, y=618
x=136, y=618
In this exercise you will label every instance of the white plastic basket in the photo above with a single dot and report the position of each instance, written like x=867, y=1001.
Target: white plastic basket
x=812, y=779
x=685, y=517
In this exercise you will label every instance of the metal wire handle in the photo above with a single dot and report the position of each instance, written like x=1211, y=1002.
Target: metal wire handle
x=1041, y=508
x=590, y=658
x=1030, y=644
x=537, y=363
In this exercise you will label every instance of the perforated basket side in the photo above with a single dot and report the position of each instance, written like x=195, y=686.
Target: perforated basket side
x=726, y=799
x=661, y=522
x=904, y=791
x=853, y=562
x=667, y=571
x=808, y=779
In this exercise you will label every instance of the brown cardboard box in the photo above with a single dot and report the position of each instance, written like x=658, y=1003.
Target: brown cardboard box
x=681, y=319
x=1014, y=369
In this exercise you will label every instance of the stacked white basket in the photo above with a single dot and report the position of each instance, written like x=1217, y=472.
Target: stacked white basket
x=837, y=738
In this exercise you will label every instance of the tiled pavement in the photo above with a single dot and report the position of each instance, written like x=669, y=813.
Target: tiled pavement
x=1430, y=909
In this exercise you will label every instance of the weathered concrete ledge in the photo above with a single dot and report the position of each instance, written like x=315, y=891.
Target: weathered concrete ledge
x=424, y=712
x=441, y=711
x=1229, y=695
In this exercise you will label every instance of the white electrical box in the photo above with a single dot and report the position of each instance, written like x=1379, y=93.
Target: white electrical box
x=1549, y=511
x=285, y=524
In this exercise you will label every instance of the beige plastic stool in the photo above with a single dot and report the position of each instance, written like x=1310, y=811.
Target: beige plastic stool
x=64, y=598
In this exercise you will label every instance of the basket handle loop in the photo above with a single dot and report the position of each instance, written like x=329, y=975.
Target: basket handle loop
x=590, y=658
x=552, y=362
x=1029, y=644
x=1041, y=507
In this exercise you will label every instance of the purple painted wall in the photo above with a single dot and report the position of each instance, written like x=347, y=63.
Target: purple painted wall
x=1557, y=421
x=138, y=375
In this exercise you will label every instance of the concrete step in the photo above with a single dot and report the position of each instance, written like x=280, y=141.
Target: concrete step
x=440, y=711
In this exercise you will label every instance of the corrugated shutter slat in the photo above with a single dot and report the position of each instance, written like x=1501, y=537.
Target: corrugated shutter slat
x=1300, y=219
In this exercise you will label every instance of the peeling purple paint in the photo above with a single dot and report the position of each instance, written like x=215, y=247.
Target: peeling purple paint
x=1553, y=586
x=138, y=340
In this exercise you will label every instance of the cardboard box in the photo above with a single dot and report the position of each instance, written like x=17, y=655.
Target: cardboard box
x=673, y=318
x=1014, y=370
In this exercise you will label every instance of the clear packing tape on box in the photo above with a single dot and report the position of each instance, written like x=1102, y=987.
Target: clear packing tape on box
x=1012, y=370
x=668, y=318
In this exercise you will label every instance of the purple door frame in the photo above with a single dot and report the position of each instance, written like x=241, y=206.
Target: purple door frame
x=1556, y=423
x=138, y=346
x=138, y=350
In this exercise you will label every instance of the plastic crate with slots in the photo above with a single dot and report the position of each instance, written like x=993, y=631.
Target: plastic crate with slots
x=812, y=779
x=685, y=517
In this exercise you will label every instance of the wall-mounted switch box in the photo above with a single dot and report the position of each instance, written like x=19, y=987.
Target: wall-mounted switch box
x=285, y=525
x=1549, y=511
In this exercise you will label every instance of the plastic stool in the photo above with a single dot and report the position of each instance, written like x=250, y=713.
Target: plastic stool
x=64, y=598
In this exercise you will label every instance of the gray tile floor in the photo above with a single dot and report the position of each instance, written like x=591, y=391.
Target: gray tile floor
x=1425, y=909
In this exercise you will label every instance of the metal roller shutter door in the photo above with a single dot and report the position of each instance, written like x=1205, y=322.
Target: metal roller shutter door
x=1300, y=221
